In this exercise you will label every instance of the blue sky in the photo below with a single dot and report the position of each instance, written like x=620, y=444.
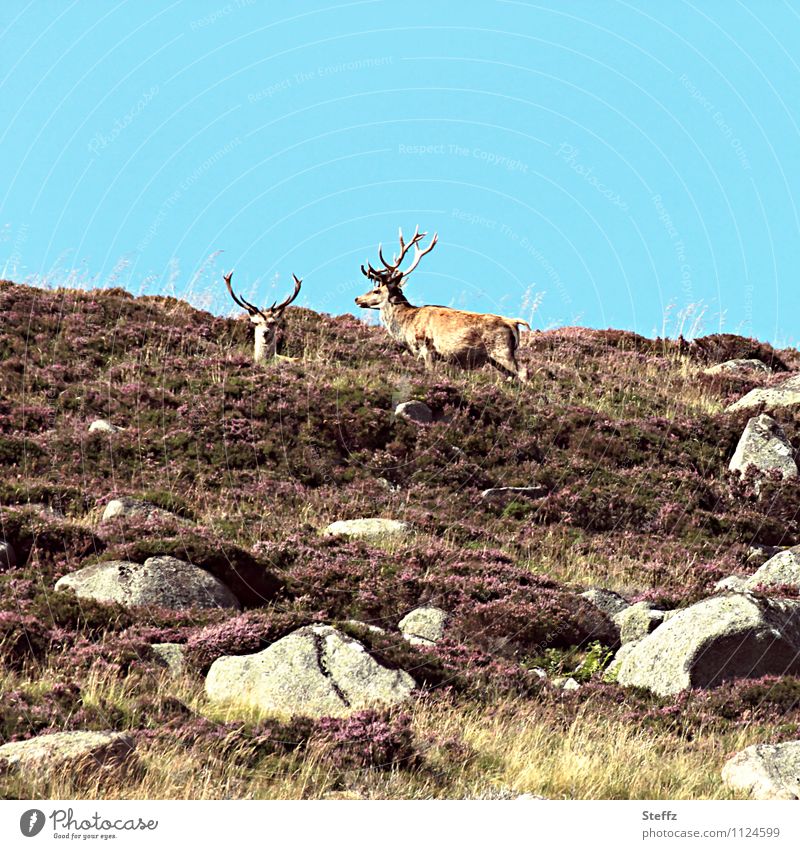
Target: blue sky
x=625, y=164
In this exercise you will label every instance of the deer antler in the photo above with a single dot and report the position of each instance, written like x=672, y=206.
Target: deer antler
x=245, y=305
x=418, y=254
x=391, y=269
x=282, y=306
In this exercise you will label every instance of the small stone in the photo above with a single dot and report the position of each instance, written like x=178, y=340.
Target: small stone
x=424, y=626
x=374, y=628
x=367, y=528
x=8, y=559
x=414, y=411
x=739, y=367
x=103, y=426
x=637, y=621
x=171, y=656
x=126, y=506
x=506, y=493
x=608, y=601
x=731, y=584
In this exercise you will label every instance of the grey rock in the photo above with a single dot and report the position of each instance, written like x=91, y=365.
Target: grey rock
x=721, y=638
x=507, y=493
x=68, y=751
x=171, y=656
x=608, y=601
x=103, y=426
x=731, y=584
x=367, y=528
x=565, y=683
x=739, y=367
x=757, y=554
x=423, y=626
x=783, y=568
x=8, y=558
x=766, y=771
x=374, y=628
x=612, y=670
x=786, y=394
x=160, y=581
x=125, y=507
x=314, y=671
x=415, y=411
x=764, y=445
x=637, y=621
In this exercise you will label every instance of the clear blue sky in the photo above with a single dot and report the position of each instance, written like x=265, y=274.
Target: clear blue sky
x=621, y=161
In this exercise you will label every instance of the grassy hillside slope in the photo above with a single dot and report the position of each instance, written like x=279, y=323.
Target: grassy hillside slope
x=627, y=435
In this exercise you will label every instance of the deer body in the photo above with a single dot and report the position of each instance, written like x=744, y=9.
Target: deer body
x=468, y=339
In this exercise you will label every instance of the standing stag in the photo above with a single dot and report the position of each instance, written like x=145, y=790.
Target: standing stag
x=469, y=339
x=269, y=323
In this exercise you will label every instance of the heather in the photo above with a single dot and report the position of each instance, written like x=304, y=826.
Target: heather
x=625, y=435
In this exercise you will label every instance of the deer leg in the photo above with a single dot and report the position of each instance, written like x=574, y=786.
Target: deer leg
x=507, y=364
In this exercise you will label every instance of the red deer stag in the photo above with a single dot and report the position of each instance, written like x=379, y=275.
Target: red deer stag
x=269, y=323
x=469, y=339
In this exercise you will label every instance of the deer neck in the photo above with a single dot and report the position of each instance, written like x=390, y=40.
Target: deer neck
x=394, y=313
x=265, y=344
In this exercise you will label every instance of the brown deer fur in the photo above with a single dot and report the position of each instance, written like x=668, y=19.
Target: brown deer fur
x=468, y=339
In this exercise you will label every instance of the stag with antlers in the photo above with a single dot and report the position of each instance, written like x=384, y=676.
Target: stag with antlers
x=468, y=339
x=269, y=323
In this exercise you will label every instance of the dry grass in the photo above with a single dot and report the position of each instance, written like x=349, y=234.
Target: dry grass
x=513, y=747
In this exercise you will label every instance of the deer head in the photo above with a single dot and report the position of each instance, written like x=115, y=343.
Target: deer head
x=389, y=280
x=268, y=322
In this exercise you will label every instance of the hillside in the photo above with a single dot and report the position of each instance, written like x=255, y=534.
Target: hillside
x=627, y=440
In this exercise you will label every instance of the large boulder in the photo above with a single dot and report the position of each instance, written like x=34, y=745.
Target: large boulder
x=766, y=771
x=159, y=581
x=423, y=626
x=783, y=568
x=314, y=671
x=73, y=752
x=171, y=656
x=367, y=528
x=721, y=638
x=764, y=446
